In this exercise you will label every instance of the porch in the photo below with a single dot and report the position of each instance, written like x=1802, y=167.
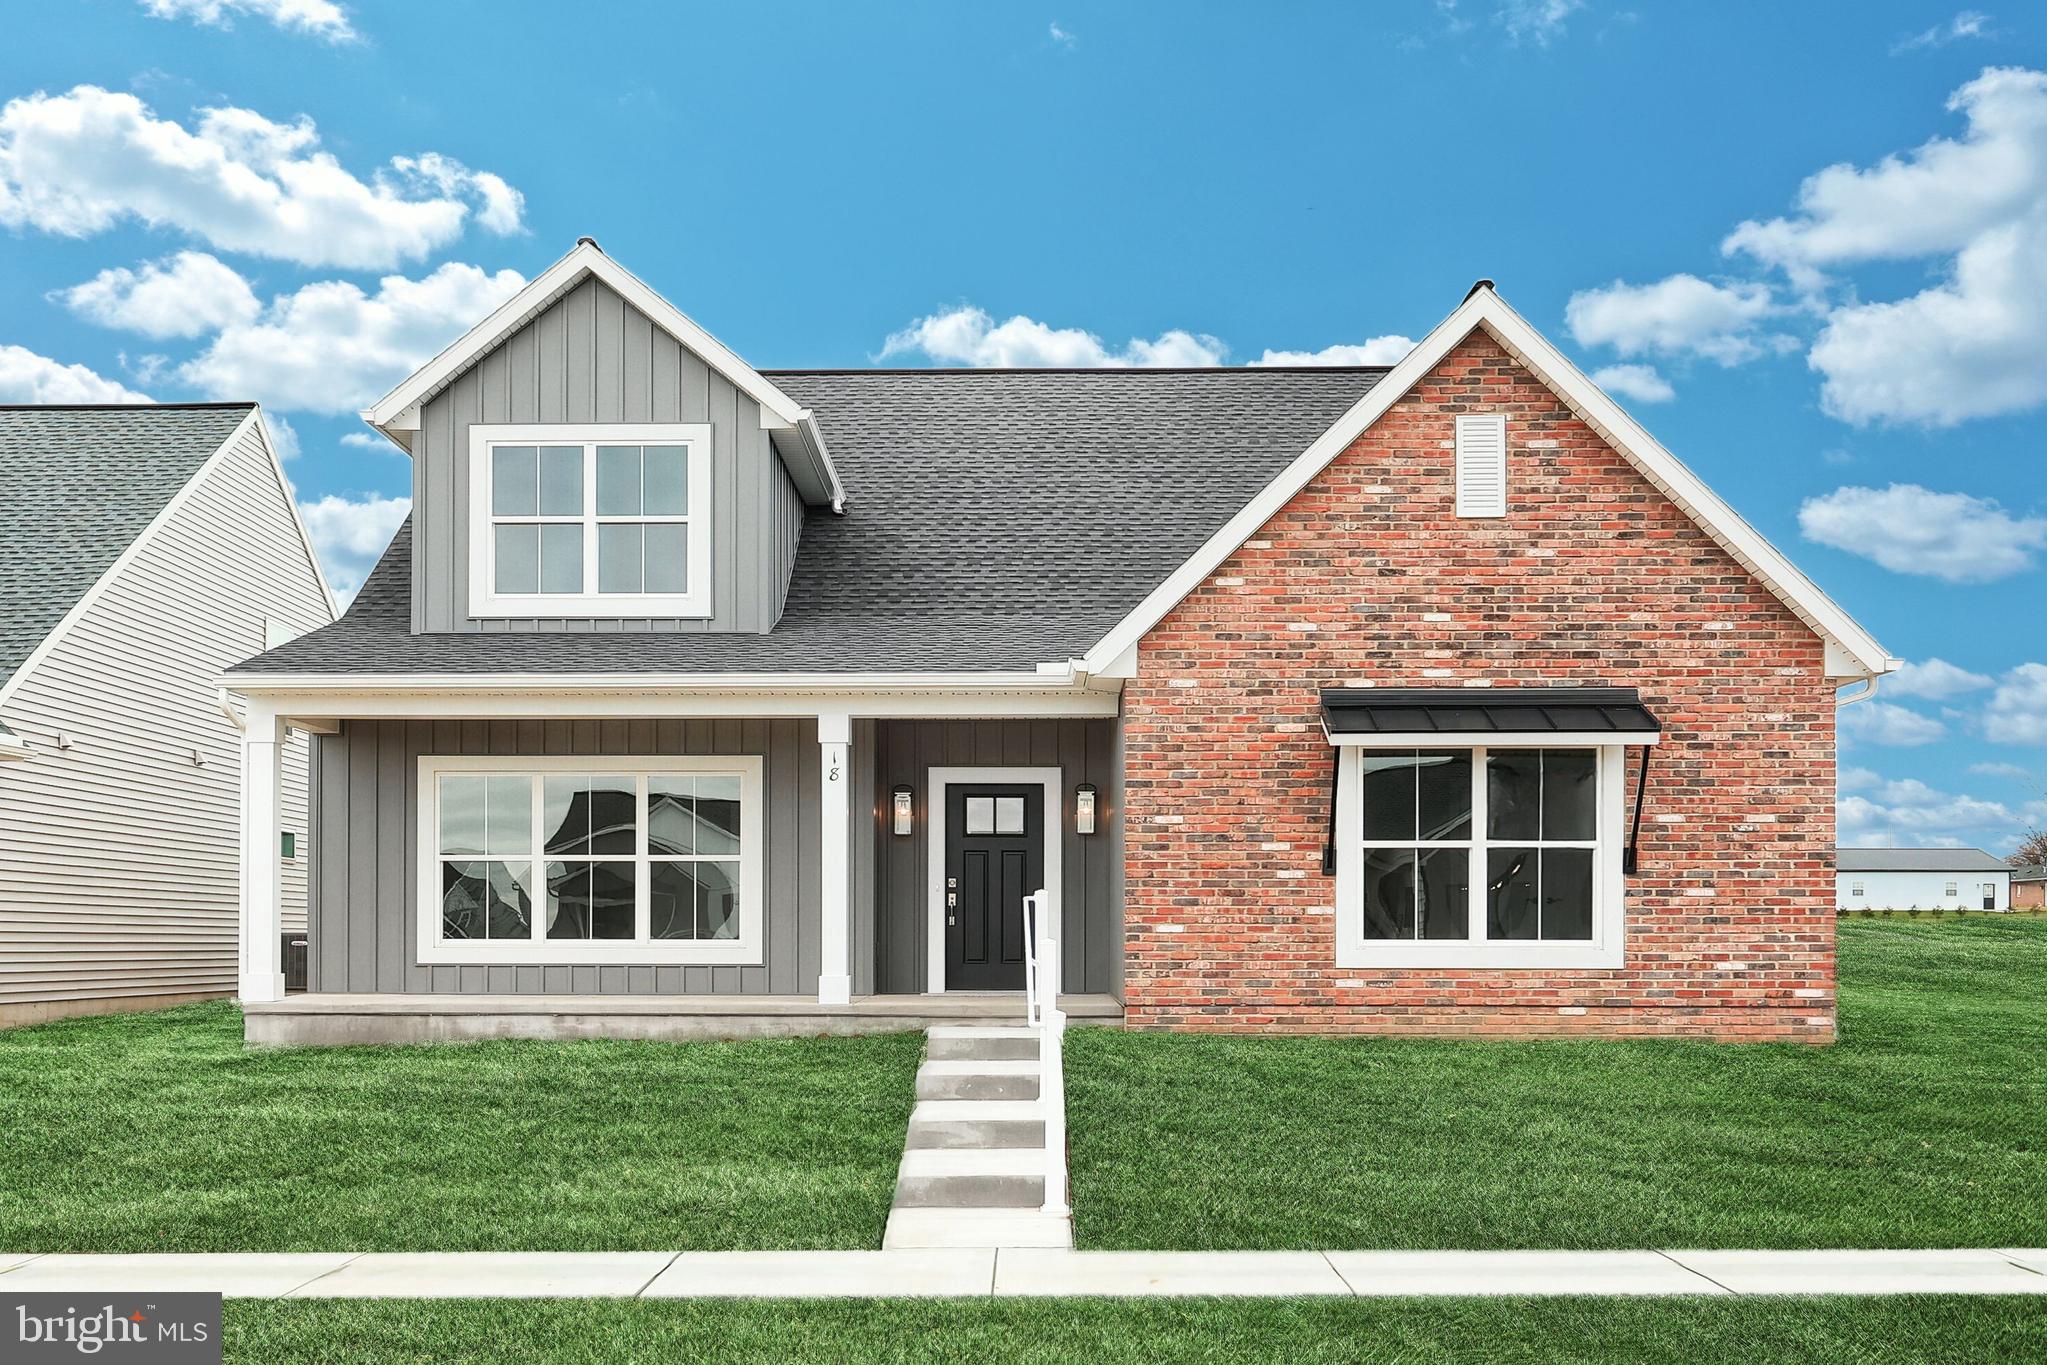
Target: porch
x=343, y=1017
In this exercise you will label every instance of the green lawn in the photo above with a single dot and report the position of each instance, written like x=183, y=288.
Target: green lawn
x=159, y=1132
x=1924, y=1126
x=1622, y=1331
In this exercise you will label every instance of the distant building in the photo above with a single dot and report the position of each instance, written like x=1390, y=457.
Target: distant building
x=1901, y=878
x=2029, y=887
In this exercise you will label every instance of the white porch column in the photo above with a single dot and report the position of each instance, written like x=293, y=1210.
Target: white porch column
x=835, y=972
x=262, y=970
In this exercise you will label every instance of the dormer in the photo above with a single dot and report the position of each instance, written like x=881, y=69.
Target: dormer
x=589, y=458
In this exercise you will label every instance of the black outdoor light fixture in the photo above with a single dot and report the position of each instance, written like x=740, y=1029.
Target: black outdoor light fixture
x=905, y=809
x=1084, y=808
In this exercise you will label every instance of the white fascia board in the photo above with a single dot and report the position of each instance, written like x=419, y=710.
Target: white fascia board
x=10, y=685
x=1849, y=643
x=398, y=410
x=810, y=465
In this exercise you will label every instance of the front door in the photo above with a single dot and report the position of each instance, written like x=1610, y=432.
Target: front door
x=994, y=857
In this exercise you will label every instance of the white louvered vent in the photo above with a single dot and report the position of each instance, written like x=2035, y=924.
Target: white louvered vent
x=1482, y=466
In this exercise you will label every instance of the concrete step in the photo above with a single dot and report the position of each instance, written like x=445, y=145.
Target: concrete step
x=961, y=1043
x=998, y=1178
x=977, y=1081
x=977, y=1123
x=975, y=1228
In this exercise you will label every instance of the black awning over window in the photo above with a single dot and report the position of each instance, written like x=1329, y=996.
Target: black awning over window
x=1471, y=714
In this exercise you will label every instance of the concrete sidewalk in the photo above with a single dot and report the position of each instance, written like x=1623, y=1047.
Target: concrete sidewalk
x=1027, y=1272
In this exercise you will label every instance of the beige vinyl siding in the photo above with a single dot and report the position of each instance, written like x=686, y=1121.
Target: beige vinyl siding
x=118, y=855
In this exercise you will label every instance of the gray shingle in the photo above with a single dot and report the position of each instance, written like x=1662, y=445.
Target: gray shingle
x=77, y=485
x=995, y=519
x=1916, y=860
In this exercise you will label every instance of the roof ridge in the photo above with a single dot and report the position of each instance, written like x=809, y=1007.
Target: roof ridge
x=1131, y=370
x=223, y=405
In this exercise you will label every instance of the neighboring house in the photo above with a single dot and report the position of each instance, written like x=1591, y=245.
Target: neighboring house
x=1926, y=878
x=143, y=549
x=2029, y=887
x=700, y=698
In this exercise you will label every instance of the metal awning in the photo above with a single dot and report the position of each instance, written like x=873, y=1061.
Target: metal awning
x=1395, y=716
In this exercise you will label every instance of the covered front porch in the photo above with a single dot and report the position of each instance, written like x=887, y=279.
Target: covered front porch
x=682, y=863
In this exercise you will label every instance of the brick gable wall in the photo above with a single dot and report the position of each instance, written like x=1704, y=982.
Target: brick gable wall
x=1593, y=578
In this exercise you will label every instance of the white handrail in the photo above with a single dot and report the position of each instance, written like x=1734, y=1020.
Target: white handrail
x=1042, y=979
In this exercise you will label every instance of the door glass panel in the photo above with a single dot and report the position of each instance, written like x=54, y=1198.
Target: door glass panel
x=518, y=558
x=618, y=481
x=561, y=481
x=1511, y=910
x=1389, y=893
x=980, y=815
x=513, y=481
x=1009, y=815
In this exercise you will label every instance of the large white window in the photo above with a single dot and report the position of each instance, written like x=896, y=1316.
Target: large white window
x=609, y=520
x=605, y=860
x=1479, y=857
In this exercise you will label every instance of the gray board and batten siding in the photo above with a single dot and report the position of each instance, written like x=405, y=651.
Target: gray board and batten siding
x=591, y=357
x=365, y=850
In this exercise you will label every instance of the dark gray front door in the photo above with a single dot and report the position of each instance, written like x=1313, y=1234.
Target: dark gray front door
x=994, y=857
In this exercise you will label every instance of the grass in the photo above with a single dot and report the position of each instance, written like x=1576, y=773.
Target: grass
x=159, y=1132
x=1623, y=1331
x=1923, y=1127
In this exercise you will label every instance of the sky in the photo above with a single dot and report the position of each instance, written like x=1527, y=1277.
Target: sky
x=1806, y=245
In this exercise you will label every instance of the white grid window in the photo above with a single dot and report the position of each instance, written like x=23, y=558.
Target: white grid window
x=1479, y=856
x=598, y=521
x=582, y=860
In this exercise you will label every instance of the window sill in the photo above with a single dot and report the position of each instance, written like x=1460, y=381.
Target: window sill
x=1482, y=956
x=516, y=953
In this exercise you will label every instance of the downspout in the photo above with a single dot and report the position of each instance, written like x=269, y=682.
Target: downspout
x=227, y=708
x=1868, y=691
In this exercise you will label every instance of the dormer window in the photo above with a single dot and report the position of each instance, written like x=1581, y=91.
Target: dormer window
x=609, y=520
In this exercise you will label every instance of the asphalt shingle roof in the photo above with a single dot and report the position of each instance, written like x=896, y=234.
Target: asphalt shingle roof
x=1917, y=860
x=995, y=519
x=77, y=485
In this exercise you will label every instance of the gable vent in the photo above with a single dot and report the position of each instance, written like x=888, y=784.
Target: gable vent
x=1481, y=466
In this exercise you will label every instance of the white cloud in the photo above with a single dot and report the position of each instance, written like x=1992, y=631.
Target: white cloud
x=1639, y=382
x=1967, y=24
x=1385, y=350
x=1681, y=315
x=1538, y=21
x=284, y=437
x=184, y=295
x=2017, y=713
x=26, y=377
x=349, y=535
x=1062, y=36
x=2011, y=770
x=970, y=336
x=331, y=348
x=1908, y=529
x=81, y=162
x=363, y=440
x=1909, y=813
x=318, y=18
x=1879, y=722
x=1935, y=680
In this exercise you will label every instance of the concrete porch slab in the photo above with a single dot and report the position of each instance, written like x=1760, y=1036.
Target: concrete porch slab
x=234, y=1274
x=1387, y=1273
x=490, y=1274
x=1141, y=1273
x=1864, y=1272
x=11, y=1259
x=825, y=1274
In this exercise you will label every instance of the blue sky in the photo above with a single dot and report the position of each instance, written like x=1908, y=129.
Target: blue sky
x=298, y=200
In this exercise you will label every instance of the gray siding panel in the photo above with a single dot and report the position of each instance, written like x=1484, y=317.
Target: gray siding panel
x=905, y=751
x=366, y=835
x=593, y=357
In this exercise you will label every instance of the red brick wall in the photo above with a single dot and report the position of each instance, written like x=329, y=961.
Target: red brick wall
x=1593, y=578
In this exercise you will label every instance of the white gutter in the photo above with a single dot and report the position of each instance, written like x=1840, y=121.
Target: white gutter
x=1868, y=691
x=247, y=683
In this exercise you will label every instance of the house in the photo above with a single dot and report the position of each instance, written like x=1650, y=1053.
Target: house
x=695, y=698
x=1921, y=878
x=2029, y=887
x=143, y=549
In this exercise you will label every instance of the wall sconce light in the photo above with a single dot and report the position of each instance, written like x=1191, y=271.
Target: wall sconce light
x=1084, y=808
x=906, y=809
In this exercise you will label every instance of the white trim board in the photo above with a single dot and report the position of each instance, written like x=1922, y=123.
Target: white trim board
x=645, y=698
x=398, y=411
x=1852, y=652
x=936, y=780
